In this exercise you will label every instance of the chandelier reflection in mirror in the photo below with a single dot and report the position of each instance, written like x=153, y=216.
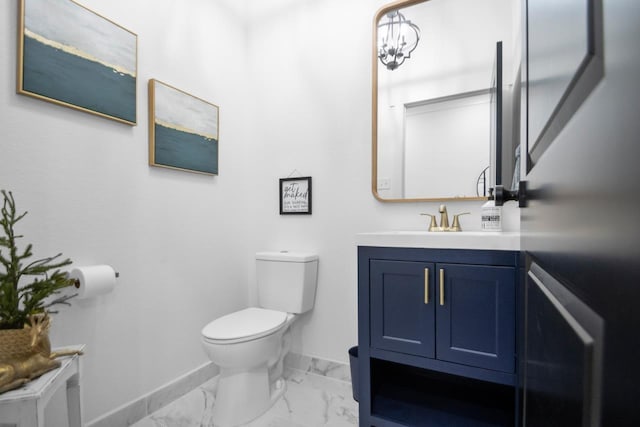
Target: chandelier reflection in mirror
x=397, y=38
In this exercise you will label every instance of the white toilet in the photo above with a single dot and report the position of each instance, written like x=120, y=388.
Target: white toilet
x=249, y=345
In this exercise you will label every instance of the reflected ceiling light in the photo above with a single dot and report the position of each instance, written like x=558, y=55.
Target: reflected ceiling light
x=397, y=38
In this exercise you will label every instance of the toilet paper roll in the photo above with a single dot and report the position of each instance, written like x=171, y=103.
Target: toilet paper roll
x=93, y=280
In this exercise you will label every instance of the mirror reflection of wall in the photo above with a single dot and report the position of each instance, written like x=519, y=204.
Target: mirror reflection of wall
x=454, y=58
x=457, y=123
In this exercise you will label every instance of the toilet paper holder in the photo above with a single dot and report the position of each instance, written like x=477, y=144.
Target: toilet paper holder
x=76, y=282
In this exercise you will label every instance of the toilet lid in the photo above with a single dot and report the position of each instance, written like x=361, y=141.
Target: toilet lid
x=244, y=323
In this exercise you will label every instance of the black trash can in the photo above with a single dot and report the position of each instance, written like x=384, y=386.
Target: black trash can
x=353, y=363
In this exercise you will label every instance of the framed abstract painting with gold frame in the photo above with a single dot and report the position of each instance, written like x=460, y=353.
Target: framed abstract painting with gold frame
x=183, y=130
x=71, y=56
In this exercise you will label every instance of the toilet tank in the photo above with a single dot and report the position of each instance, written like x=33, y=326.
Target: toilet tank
x=286, y=280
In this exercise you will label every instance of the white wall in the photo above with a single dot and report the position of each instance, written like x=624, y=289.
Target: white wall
x=176, y=238
x=311, y=112
x=298, y=98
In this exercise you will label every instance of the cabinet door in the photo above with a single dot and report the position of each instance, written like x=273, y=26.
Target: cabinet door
x=476, y=316
x=402, y=307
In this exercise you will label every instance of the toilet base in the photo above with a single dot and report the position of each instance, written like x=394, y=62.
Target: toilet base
x=258, y=396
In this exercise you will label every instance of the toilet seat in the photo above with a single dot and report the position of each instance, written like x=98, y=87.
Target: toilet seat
x=244, y=325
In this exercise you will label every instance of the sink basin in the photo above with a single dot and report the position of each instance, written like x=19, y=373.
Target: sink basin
x=495, y=240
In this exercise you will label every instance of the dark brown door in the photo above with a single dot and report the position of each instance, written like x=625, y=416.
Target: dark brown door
x=581, y=228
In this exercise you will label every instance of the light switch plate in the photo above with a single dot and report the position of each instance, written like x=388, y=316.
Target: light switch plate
x=384, y=183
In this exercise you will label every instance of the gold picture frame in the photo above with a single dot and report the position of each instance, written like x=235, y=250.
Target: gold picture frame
x=72, y=56
x=183, y=130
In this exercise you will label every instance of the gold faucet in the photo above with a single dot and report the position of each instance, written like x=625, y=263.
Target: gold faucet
x=433, y=226
x=444, y=218
x=444, y=221
x=456, y=223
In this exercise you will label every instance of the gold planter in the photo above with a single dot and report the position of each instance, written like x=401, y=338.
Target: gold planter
x=15, y=344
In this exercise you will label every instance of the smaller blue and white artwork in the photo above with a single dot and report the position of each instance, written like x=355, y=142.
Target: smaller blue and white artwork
x=183, y=130
x=72, y=56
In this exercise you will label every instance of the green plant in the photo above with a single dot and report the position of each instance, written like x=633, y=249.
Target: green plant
x=18, y=301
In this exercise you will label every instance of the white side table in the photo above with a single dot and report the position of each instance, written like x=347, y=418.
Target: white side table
x=24, y=407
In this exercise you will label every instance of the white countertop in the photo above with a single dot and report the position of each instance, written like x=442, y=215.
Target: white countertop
x=494, y=240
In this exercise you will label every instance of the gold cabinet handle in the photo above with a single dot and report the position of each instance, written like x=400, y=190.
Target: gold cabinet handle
x=426, y=286
x=442, y=286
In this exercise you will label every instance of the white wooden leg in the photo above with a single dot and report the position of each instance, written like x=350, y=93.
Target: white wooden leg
x=74, y=403
x=40, y=411
x=28, y=414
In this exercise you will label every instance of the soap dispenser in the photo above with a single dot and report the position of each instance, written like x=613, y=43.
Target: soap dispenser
x=491, y=217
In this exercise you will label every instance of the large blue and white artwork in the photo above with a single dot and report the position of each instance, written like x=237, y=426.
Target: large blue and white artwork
x=72, y=56
x=183, y=130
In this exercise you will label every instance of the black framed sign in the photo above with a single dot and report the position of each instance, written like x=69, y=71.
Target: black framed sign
x=295, y=196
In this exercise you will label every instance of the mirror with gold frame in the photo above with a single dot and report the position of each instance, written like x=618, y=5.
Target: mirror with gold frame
x=431, y=103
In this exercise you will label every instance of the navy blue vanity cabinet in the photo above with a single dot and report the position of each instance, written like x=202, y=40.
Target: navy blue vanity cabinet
x=475, y=320
x=437, y=336
x=402, y=307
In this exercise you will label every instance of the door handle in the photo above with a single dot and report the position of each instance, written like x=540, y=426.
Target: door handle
x=442, y=286
x=503, y=195
x=426, y=286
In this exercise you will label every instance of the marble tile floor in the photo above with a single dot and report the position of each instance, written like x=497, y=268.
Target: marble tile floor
x=310, y=400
